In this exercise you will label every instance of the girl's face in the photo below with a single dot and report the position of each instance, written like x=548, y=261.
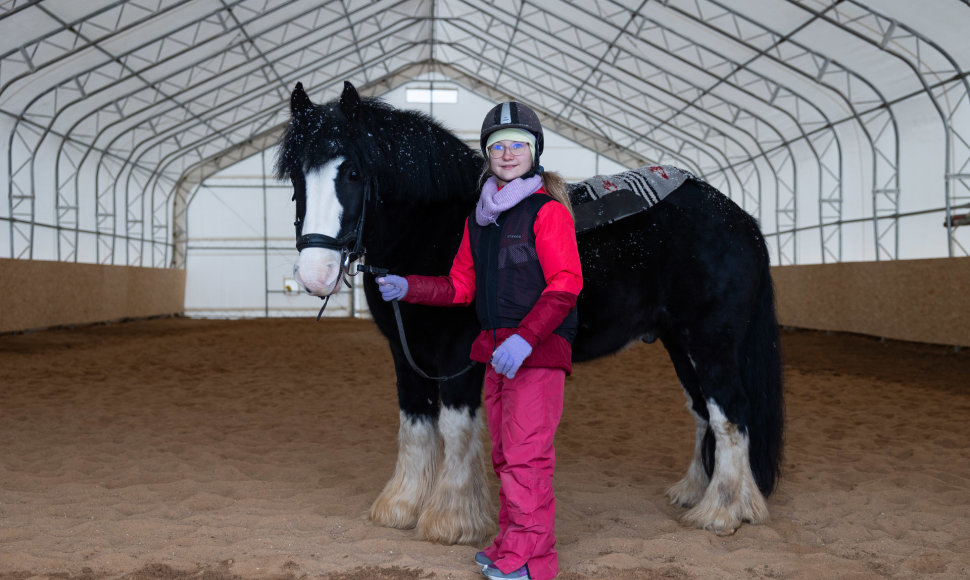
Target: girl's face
x=509, y=160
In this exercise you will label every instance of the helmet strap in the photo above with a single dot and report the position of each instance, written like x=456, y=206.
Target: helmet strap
x=535, y=169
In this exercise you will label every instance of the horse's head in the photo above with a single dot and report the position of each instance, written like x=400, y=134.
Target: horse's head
x=329, y=186
x=353, y=154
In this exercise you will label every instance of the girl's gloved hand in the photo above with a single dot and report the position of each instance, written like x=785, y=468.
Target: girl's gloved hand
x=509, y=355
x=392, y=287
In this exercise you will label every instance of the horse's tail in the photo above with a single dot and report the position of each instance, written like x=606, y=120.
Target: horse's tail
x=761, y=374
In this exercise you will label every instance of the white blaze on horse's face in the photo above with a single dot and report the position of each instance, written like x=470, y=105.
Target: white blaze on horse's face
x=318, y=269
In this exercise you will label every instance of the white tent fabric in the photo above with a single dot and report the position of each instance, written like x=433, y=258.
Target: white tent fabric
x=817, y=116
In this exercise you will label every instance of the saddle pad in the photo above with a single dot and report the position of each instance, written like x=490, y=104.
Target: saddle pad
x=604, y=199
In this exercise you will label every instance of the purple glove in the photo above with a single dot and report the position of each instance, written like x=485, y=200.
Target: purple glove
x=509, y=355
x=392, y=287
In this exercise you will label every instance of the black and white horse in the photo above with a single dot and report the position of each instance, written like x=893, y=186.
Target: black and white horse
x=691, y=271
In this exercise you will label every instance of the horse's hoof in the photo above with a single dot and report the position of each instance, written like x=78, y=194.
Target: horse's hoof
x=393, y=514
x=721, y=531
x=709, y=516
x=453, y=530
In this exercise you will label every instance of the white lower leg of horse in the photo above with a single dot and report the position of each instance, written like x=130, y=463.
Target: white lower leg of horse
x=418, y=455
x=688, y=491
x=732, y=496
x=459, y=510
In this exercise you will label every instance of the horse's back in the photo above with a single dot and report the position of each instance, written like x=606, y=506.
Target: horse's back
x=675, y=266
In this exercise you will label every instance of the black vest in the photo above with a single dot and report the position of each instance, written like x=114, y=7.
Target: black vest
x=508, y=275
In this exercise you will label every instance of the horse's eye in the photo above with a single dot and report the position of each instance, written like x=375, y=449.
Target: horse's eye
x=354, y=175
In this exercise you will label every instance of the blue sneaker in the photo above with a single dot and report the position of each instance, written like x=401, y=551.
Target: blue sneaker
x=520, y=574
x=482, y=560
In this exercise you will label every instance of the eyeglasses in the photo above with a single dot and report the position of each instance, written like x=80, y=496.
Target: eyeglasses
x=516, y=148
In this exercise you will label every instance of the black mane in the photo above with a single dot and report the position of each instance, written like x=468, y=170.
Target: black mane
x=411, y=156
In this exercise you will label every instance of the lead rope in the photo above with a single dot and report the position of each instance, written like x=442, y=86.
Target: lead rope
x=407, y=351
x=400, y=331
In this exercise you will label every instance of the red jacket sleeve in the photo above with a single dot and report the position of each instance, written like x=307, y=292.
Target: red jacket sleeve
x=546, y=316
x=559, y=258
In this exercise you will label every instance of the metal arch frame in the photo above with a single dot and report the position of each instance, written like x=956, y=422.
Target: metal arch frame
x=600, y=142
x=479, y=40
x=729, y=166
x=131, y=167
x=153, y=134
x=162, y=195
x=785, y=213
x=180, y=134
x=606, y=127
x=131, y=173
x=101, y=128
x=262, y=117
x=956, y=163
x=643, y=109
x=163, y=162
x=542, y=97
x=823, y=169
x=177, y=104
x=75, y=87
x=133, y=220
x=99, y=220
x=829, y=68
x=108, y=156
x=18, y=8
x=193, y=177
x=151, y=170
x=749, y=156
x=71, y=27
x=388, y=82
x=25, y=196
x=129, y=180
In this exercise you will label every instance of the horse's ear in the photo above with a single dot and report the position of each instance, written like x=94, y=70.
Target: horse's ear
x=300, y=103
x=350, y=101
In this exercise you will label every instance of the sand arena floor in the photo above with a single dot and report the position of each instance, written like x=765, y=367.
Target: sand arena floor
x=178, y=448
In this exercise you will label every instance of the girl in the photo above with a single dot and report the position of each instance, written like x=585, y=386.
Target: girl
x=518, y=261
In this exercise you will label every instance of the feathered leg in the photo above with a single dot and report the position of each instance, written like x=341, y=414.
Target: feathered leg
x=688, y=491
x=732, y=496
x=419, y=453
x=459, y=509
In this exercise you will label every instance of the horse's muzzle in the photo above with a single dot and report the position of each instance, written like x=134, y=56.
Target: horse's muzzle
x=318, y=271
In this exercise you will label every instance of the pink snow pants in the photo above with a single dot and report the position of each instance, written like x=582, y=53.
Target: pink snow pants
x=523, y=415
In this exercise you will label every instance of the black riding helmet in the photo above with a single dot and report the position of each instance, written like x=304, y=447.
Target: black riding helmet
x=513, y=115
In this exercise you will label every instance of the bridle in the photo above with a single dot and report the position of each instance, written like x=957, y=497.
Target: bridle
x=351, y=248
x=350, y=245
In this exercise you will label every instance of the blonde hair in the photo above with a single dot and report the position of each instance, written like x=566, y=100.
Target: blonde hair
x=556, y=186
